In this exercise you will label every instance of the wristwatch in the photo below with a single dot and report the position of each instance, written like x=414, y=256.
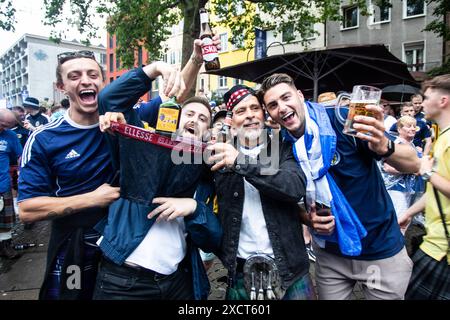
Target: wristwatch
x=391, y=149
x=427, y=175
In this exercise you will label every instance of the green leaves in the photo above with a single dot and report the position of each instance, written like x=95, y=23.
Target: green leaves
x=7, y=13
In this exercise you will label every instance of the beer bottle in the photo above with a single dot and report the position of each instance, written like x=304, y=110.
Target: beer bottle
x=168, y=117
x=209, y=50
x=224, y=133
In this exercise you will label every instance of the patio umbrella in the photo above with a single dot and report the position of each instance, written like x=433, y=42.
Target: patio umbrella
x=332, y=69
x=399, y=92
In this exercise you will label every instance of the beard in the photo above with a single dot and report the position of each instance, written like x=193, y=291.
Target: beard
x=251, y=135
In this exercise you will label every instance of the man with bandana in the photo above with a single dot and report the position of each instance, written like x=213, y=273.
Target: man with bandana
x=258, y=187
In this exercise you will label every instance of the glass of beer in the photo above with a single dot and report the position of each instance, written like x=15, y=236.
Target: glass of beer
x=361, y=96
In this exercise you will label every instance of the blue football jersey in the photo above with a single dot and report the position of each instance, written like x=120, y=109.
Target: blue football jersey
x=9, y=148
x=63, y=159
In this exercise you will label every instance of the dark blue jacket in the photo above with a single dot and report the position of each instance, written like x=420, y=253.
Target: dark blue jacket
x=146, y=171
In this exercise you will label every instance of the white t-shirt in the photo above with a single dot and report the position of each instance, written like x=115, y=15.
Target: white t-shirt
x=163, y=248
x=253, y=236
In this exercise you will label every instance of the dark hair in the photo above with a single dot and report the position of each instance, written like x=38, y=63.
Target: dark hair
x=439, y=83
x=272, y=81
x=75, y=55
x=18, y=109
x=406, y=104
x=198, y=99
x=65, y=103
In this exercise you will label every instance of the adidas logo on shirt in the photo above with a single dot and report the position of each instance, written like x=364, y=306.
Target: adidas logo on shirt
x=72, y=154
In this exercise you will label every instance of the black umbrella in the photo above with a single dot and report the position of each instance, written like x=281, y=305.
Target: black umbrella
x=399, y=92
x=331, y=69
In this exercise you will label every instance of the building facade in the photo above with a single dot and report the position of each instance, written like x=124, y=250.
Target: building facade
x=399, y=26
x=114, y=67
x=28, y=68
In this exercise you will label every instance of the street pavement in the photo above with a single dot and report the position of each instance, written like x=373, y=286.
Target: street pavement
x=21, y=279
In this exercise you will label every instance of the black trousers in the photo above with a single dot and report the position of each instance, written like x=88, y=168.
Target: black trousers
x=116, y=282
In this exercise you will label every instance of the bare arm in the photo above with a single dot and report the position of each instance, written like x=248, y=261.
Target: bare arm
x=404, y=159
x=418, y=206
x=438, y=181
x=45, y=208
x=427, y=147
x=390, y=169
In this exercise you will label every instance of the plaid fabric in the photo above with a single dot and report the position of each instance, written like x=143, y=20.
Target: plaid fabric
x=91, y=260
x=430, y=279
x=7, y=215
x=302, y=289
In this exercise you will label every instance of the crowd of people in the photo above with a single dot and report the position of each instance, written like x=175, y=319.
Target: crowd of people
x=140, y=226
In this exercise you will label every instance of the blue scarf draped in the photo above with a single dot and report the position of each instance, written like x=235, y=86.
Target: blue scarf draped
x=348, y=230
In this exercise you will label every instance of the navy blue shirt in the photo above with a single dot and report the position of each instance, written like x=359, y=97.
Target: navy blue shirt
x=356, y=173
x=37, y=120
x=63, y=159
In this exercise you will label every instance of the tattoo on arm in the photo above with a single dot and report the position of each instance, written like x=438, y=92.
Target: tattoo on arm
x=67, y=211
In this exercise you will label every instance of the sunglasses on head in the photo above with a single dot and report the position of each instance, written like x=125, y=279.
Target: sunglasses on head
x=63, y=57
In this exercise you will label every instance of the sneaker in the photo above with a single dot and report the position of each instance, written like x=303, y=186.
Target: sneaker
x=7, y=251
x=310, y=252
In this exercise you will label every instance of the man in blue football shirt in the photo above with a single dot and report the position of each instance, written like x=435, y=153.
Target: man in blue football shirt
x=9, y=148
x=383, y=266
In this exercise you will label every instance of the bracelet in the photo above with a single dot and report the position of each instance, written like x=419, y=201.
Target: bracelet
x=196, y=61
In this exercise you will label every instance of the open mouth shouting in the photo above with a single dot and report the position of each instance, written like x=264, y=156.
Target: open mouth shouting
x=88, y=96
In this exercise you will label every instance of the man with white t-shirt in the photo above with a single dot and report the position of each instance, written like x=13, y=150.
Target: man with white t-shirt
x=258, y=207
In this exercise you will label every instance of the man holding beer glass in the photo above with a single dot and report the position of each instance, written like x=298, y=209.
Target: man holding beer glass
x=383, y=266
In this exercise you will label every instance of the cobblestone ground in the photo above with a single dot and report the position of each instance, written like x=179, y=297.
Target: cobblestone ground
x=38, y=235
x=217, y=278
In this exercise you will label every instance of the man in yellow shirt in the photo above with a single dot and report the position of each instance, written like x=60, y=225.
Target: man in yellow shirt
x=431, y=273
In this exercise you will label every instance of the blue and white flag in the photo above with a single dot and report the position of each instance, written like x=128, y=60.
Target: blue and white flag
x=314, y=152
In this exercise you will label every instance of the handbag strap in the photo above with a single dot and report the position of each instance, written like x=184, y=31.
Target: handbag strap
x=441, y=213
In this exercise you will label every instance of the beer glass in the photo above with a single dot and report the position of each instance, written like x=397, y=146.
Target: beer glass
x=361, y=96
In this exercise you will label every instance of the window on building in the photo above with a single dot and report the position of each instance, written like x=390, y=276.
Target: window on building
x=139, y=57
x=117, y=63
x=238, y=81
x=111, y=41
x=414, y=56
x=111, y=62
x=102, y=58
x=172, y=57
x=111, y=79
x=288, y=34
x=351, y=17
x=412, y=8
x=224, y=42
x=380, y=12
x=222, y=82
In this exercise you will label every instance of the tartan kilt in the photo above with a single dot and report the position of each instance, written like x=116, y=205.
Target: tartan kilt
x=7, y=215
x=430, y=279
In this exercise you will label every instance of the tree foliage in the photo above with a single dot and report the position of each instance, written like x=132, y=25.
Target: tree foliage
x=147, y=23
x=7, y=12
